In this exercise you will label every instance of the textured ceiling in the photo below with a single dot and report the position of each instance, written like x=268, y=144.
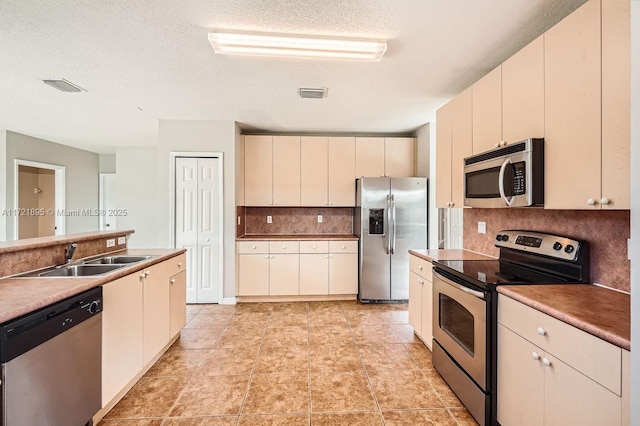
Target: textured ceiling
x=145, y=60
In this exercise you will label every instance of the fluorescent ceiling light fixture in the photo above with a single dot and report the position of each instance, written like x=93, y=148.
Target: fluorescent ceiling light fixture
x=228, y=43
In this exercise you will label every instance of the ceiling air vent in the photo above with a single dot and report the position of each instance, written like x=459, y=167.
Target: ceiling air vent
x=64, y=85
x=313, y=93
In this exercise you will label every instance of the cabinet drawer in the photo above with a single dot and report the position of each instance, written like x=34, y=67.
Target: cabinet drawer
x=593, y=357
x=247, y=247
x=284, y=247
x=314, y=246
x=421, y=267
x=175, y=265
x=343, y=246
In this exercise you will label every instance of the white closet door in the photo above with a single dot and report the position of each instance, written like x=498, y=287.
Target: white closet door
x=199, y=225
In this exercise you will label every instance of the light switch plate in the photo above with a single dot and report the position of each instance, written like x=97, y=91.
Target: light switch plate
x=111, y=242
x=238, y=220
x=319, y=218
x=269, y=219
x=122, y=240
x=482, y=227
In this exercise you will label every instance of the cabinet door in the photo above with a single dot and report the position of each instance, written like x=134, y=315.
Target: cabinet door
x=572, y=398
x=369, y=157
x=460, y=144
x=487, y=111
x=286, y=170
x=520, y=381
x=342, y=172
x=314, y=274
x=253, y=275
x=523, y=93
x=155, y=311
x=177, y=303
x=314, y=153
x=427, y=312
x=444, y=117
x=572, y=94
x=284, y=275
x=399, y=157
x=616, y=102
x=258, y=159
x=415, y=302
x=343, y=273
x=121, y=334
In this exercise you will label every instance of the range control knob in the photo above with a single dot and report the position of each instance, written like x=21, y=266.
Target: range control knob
x=498, y=237
x=93, y=307
x=505, y=237
x=557, y=246
x=569, y=248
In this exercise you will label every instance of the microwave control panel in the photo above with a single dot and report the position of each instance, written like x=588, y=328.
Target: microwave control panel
x=519, y=180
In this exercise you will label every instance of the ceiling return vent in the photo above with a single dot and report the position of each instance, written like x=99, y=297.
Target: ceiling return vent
x=64, y=85
x=320, y=93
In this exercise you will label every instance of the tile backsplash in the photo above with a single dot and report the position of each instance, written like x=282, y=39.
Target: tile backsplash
x=606, y=231
x=298, y=220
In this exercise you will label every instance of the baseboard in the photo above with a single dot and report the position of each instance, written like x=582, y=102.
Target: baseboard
x=227, y=301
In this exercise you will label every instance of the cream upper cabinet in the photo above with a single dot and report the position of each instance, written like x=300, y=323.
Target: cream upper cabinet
x=523, y=94
x=616, y=104
x=314, y=173
x=342, y=171
x=258, y=170
x=487, y=112
x=461, y=144
x=286, y=171
x=399, y=157
x=444, y=116
x=369, y=157
x=573, y=110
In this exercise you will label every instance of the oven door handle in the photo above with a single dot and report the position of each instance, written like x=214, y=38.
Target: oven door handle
x=501, y=182
x=475, y=293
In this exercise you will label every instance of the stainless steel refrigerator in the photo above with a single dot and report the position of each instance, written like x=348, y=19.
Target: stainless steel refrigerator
x=390, y=219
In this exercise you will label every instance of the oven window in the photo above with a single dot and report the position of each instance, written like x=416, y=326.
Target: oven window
x=457, y=322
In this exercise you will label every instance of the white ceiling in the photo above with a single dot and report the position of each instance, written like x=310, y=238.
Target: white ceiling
x=145, y=60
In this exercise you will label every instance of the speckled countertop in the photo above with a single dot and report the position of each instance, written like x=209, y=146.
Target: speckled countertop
x=300, y=237
x=19, y=296
x=597, y=310
x=431, y=255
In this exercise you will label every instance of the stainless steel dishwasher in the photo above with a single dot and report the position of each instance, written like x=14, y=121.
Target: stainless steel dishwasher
x=51, y=362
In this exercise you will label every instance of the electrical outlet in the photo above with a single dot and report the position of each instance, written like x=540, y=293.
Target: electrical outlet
x=269, y=219
x=122, y=240
x=482, y=227
x=319, y=218
x=111, y=242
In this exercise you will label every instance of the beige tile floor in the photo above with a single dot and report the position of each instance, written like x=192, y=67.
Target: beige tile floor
x=320, y=363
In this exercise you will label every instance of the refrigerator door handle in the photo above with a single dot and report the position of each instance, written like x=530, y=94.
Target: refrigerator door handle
x=393, y=225
x=386, y=225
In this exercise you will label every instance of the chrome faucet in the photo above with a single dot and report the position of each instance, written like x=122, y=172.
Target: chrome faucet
x=68, y=252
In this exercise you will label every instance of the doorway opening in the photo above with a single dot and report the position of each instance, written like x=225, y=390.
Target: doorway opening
x=198, y=222
x=108, y=201
x=39, y=199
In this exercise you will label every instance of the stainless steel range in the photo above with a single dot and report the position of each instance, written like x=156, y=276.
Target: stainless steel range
x=465, y=306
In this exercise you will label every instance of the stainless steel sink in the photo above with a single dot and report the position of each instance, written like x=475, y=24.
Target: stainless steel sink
x=118, y=260
x=79, y=270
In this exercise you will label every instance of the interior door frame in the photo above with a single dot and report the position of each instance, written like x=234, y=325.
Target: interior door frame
x=59, y=203
x=101, y=193
x=172, y=211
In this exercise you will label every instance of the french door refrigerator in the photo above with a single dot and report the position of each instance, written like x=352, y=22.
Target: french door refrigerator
x=390, y=219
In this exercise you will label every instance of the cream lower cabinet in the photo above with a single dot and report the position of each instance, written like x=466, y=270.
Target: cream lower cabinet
x=550, y=373
x=284, y=270
x=253, y=268
x=343, y=267
x=155, y=309
x=121, y=334
x=421, y=299
x=177, y=302
x=314, y=268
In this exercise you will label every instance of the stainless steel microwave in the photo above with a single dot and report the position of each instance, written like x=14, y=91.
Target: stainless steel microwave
x=511, y=176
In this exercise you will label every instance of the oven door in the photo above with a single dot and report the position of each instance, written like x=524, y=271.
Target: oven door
x=460, y=325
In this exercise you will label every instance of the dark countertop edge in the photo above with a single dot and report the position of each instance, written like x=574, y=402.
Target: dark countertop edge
x=301, y=237
x=34, y=243
x=85, y=283
x=613, y=337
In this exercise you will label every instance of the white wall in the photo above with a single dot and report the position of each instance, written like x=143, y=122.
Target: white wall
x=137, y=193
x=200, y=136
x=81, y=173
x=107, y=163
x=635, y=211
x=3, y=183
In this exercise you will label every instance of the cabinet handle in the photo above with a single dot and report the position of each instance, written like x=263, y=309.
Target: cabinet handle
x=591, y=201
x=420, y=267
x=535, y=356
x=253, y=247
x=172, y=280
x=604, y=201
x=147, y=273
x=503, y=143
x=179, y=264
x=284, y=247
x=313, y=247
x=344, y=247
x=142, y=275
x=497, y=144
x=330, y=256
x=541, y=331
x=546, y=362
x=266, y=257
x=326, y=256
